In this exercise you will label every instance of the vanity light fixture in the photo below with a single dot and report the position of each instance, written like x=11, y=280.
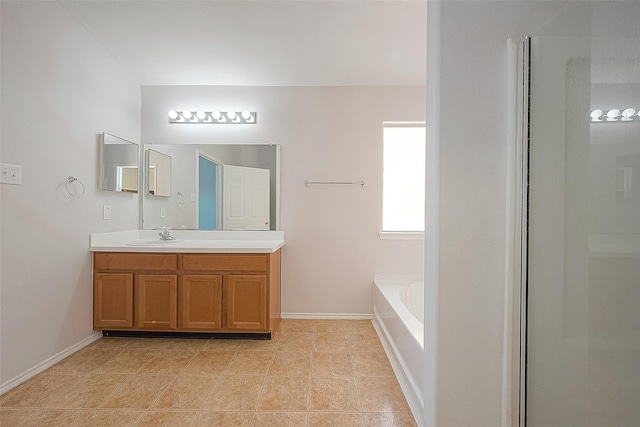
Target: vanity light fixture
x=215, y=117
x=615, y=115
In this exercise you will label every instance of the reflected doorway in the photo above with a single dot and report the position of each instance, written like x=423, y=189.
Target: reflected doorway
x=208, y=193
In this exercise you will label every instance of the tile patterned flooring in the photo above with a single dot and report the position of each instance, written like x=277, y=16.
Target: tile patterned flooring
x=313, y=373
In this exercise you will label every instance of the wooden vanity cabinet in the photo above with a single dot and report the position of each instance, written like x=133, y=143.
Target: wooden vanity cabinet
x=156, y=301
x=112, y=300
x=247, y=301
x=118, y=279
x=201, y=302
x=250, y=288
x=226, y=293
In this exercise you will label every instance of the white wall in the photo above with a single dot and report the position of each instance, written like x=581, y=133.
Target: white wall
x=181, y=211
x=60, y=90
x=471, y=94
x=327, y=133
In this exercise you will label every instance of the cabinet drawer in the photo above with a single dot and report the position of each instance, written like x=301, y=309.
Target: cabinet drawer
x=135, y=262
x=257, y=262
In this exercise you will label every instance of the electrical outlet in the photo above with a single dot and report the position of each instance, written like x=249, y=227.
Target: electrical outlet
x=106, y=212
x=10, y=174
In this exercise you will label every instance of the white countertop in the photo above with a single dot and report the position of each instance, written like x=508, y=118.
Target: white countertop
x=188, y=241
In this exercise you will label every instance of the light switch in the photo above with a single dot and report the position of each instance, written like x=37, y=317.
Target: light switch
x=10, y=174
x=106, y=212
x=163, y=212
x=193, y=197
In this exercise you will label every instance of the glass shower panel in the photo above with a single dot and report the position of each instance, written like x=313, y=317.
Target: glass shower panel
x=583, y=310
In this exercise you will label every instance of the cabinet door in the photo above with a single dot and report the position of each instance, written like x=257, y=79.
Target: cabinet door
x=201, y=302
x=112, y=301
x=157, y=301
x=247, y=302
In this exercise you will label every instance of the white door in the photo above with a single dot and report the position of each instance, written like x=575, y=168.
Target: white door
x=245, y=198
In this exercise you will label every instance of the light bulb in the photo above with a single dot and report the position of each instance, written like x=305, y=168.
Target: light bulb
x=173, y=114
x=231, y=114
x=613, y=115
x=201, y=115
x=595, y=115
x=627, y=115
x=186, y=114
x=246, y=115
x=216, y=115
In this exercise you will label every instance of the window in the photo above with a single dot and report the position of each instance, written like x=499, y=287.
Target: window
x=404, y=146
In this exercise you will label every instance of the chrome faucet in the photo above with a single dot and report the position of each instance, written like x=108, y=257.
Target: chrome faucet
x=164, y=234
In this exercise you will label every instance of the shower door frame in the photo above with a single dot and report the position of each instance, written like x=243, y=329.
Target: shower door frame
x=514, y=401
x=524, y=227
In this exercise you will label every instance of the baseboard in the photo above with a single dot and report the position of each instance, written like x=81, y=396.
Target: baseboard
x=320, y=316
x=189, y=335
x=16, y=381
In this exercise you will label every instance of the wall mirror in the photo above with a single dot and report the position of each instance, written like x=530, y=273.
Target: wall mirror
x=216, y=187
x=158, y=176
x=119, y=164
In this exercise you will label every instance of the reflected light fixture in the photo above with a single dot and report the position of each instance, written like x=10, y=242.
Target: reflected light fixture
x=612, y=115
x=627, y=115
x=215, y=116
x=615, y=115
x=595, y=115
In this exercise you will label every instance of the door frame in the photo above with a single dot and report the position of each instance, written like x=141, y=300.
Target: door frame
x=219, y=167
x=514, y=397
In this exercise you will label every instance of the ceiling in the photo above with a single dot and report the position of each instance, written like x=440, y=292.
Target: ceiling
x=262, y=43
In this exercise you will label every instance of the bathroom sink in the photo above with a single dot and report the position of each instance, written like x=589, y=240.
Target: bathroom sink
x=156, y=242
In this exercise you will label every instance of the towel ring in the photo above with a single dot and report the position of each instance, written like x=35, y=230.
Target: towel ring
x=180, y=198
x=67, y=186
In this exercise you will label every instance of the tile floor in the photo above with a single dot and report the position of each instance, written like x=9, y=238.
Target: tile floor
x=313, y=373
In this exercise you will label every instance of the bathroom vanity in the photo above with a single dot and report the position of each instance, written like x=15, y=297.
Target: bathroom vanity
x=217, y=283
